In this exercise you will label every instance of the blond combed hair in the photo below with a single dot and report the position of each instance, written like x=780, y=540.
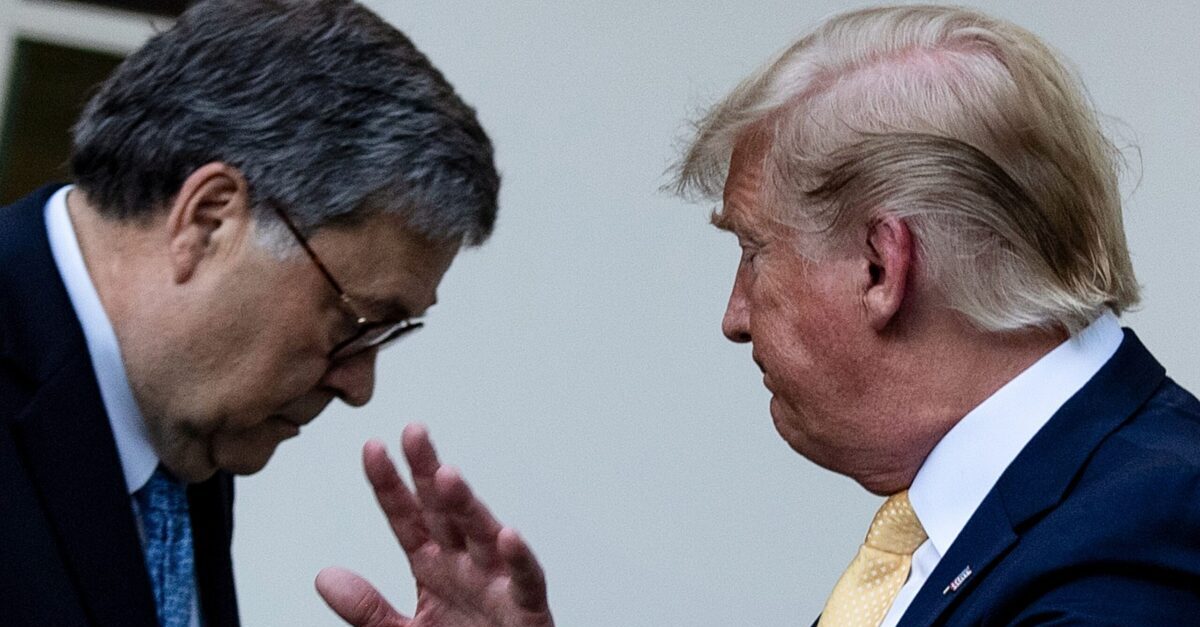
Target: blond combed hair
x=967, y=126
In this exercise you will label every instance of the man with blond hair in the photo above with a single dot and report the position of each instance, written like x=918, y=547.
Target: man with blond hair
x=933, y=262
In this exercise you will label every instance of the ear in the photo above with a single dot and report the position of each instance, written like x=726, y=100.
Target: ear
x=890, y=259
x=214, y=199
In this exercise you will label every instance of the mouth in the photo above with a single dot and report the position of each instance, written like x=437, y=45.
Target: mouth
x=766, y=378
x=290, y=425
x=299, y=420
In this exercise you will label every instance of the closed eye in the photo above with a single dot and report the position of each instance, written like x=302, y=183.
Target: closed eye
x=750, y=248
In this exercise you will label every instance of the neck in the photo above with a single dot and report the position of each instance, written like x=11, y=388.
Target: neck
x=131, y=278
x=937, y=375
x=117, y=255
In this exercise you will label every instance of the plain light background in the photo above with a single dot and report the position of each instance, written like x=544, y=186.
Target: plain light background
x=574, y=368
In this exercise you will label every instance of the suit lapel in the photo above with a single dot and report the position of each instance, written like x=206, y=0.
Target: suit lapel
x=211, y=505
x=66, y=444
x=64, y=439
x=986, y=538
x=1040, y=476
x=62, y=433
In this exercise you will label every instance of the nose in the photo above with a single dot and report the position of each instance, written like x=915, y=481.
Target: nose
x=353, y=379
x=736, y=323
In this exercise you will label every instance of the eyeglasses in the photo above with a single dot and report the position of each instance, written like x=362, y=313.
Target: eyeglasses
x=368, y=334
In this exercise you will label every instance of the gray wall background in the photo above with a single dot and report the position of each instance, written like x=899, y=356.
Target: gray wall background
x=575, y=369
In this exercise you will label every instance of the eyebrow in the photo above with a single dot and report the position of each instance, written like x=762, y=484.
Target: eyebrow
x=733, y=222
x=730, y=221
x=722, y=220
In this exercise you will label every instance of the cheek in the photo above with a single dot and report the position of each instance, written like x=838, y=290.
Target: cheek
x=265, y=378
x=801, y=332
x=783, y=315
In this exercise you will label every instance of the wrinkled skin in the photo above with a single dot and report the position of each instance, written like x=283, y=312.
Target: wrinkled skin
x=470, y=570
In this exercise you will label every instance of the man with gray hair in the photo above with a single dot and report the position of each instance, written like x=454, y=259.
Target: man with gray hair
x=266, y=195
x=933, y=262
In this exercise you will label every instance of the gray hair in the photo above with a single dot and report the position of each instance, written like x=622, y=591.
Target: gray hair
x=326, y=110
x=985, y=141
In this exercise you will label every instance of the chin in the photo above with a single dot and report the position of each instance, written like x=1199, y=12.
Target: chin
x=187, y=459
x=247, y=451
x=244, y=458
x=190, y=472
x=784, y=427
x=788, y=425
x=243, y=465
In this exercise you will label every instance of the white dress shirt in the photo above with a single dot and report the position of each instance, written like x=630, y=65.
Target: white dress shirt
x=959, y=472
x=138, y=459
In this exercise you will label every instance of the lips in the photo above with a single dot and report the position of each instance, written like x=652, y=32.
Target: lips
x=763, y=370
x=298, y=421
x=302, y=411
x=291, y=425
x=766, y=381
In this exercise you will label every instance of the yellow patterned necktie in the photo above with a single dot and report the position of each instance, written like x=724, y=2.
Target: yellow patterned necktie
x=870, y=584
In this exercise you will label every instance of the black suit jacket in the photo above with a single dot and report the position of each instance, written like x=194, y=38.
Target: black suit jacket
x=69, y=549
x=1097, y=520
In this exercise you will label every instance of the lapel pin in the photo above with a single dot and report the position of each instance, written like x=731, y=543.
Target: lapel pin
x=958, y=581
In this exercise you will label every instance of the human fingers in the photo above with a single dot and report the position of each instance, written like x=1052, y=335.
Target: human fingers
x=401, y=508
x=423, y=460
x=470, y=516
x=527, y=582
x=419, y=451
x=356, y=601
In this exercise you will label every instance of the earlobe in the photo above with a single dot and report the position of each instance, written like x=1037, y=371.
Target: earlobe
x=890, y=256
x=213, y=199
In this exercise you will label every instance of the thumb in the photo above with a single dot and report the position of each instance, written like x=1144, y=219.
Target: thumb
x=356, y=600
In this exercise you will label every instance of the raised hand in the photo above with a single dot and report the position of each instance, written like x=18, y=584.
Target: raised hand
x=470, y=570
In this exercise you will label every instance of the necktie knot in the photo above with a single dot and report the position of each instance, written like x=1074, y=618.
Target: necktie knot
x=163, y=495
x=895, y=528
x=867, y=589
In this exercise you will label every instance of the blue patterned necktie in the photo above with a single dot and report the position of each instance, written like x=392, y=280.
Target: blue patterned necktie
x=167, y=532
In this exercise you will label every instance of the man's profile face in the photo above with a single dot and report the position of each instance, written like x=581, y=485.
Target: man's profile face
x=800, y=315
x=256, y=368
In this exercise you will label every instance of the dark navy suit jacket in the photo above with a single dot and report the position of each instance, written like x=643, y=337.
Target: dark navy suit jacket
x=1097, y=520
x=69, y=549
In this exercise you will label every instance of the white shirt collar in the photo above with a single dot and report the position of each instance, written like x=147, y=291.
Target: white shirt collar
x=969, y=459
x=138, y=459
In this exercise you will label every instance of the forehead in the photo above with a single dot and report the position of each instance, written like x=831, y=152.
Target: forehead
x=383, y=263
x=741, y=211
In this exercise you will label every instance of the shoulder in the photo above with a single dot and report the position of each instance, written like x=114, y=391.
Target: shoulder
x=1122, y=544
x=1157, y=449
x=39, y=332
x=24, y=247
x=1140, y=488
x=1170, y=411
